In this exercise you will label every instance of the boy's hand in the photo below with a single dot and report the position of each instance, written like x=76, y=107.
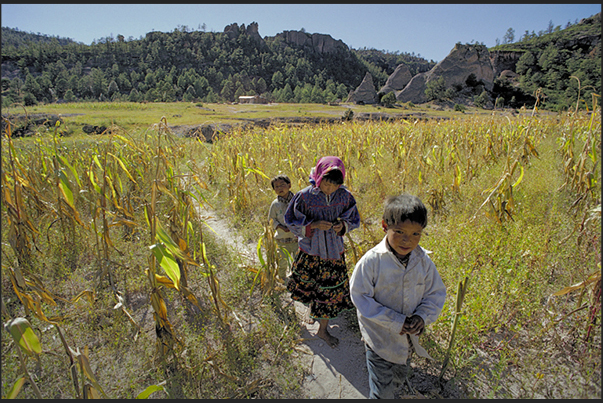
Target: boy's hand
x=413, y=325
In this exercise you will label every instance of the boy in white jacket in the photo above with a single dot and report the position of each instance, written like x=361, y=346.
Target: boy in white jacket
x=397, y=291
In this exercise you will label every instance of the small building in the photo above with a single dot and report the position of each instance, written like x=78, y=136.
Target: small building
x=252, y=99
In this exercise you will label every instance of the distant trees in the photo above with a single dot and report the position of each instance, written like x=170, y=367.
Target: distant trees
x=182, y=65
x=193, y=66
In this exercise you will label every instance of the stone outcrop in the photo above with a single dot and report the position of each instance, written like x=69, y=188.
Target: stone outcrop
x=320, y=42
x=462, y=61
x=397, y=80
x=365, y=93
x=504, y=60
x=252, y=30
x=28, y=125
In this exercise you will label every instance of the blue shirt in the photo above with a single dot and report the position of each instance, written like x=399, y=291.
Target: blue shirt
x=311, y=204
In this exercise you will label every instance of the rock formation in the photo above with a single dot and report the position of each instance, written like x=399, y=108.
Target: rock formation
x=504, y=60
x=462, y=61
x=365, y=93
x=320, y=42
x=397, y=80
x=252, y=30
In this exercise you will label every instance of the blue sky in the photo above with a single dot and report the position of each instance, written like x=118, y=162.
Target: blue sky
x=429, y=30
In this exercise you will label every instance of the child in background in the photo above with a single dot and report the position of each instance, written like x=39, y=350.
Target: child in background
x=397, y=291
x=281, y=184
x=320, y=215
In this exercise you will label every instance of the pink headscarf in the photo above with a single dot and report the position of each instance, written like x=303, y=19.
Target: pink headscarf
x=324, y=165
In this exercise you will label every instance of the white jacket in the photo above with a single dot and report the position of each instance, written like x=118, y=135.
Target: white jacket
x=385, y=293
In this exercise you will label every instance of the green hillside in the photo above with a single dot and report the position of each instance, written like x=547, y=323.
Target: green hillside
x=188, y=65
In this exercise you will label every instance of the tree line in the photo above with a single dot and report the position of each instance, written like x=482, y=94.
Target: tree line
x=188, y=65
x=180, y=66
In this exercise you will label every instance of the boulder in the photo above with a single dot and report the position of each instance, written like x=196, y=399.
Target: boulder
x=462, y=61
x=397, y=80
x=414, y=90
x=365, y=93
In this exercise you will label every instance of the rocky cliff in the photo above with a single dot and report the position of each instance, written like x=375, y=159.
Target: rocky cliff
x=252, y=30
x=320, y=42
x=462, y=61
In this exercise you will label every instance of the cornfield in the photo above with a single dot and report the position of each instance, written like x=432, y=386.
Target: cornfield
x=92, y=232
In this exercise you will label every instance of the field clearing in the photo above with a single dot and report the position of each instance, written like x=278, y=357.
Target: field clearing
x=140, y=116
x=104, y=253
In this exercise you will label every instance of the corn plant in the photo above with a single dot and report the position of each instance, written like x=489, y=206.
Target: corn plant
x=460, y=296
x=269, y=265
x=22, y=231
x=32, y=294
x=500, y=197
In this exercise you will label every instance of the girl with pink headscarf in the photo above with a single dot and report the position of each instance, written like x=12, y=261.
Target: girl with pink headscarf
x=319, y=215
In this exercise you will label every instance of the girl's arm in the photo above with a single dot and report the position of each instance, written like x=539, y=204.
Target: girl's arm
x=297, y=221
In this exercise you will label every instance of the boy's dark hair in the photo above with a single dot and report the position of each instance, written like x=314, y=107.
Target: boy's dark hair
x=334, y=176
x=404, y=207
x=282, y=177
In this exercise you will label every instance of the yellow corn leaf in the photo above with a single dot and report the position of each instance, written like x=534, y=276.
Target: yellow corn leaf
x=65, y=188
x=98, y=164
x=149, y=391
x=520, y=177
x=131, y=144
x=122, y=221
x=87, y=294
x=167, y=261
x=90, y=392
x=163, y=189
x=82, y=358
x=41, y=292
x=94, y=185
x=123, y=166
x=593, y=277
x=24, y=336
x=257, y=172
x=72, y=169
x=159, y=305
x=191, y=297
x=165, y=281
x=16, y=388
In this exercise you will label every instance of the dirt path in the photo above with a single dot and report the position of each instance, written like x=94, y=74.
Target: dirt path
x=332, y=373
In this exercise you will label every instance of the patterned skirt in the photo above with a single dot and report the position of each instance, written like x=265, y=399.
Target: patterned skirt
x=321, y=284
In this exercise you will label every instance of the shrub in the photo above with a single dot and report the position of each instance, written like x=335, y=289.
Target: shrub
x=348, y=115
x=388, y=100
x=459, y=108
x=436, y=89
